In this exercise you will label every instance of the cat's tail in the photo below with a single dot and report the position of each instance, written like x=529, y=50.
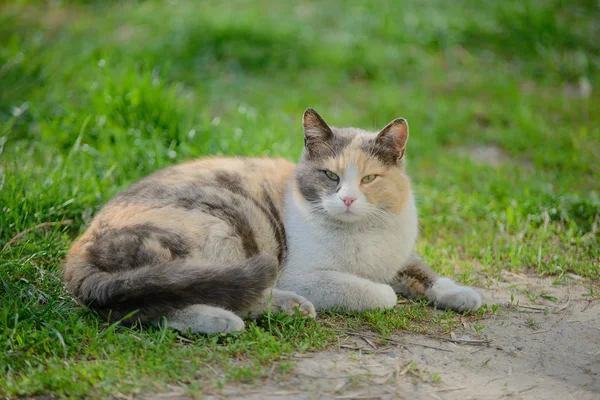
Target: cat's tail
x=149, y=292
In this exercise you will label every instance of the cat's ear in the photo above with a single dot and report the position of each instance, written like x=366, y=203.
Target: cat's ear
x=317, y=133
x=393, y=138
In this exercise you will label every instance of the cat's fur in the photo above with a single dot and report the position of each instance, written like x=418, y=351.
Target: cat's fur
x=199, y=243
x=358, y=255
x=202, y=243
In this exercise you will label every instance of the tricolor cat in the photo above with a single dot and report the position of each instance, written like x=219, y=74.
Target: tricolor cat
x=206, y=242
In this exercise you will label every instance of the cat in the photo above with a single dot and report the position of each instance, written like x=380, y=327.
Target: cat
x=199, y=243
x=351, y=223
x=207, y=242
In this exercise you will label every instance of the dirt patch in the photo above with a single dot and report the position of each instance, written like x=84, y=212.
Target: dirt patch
x=545, y=343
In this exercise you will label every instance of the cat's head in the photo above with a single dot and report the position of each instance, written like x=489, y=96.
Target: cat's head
x=350, y=175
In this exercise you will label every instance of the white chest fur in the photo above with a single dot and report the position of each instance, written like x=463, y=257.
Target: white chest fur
x=377, y=253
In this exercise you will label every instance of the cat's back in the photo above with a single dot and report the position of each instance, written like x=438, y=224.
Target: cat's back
x=204, y=232
x=187, y=186
x=208, y=209
x=238, y=175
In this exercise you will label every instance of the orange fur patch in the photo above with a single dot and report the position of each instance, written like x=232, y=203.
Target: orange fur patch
x=390, y=190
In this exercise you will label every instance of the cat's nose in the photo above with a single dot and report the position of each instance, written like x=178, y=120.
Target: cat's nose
x=348, y=200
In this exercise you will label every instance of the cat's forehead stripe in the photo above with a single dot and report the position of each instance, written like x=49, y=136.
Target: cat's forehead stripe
x=356, y=153
x=347, y=140
x=357, y=140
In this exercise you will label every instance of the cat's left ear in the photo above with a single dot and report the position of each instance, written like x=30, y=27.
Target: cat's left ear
x=317, y=134
x=393, y=138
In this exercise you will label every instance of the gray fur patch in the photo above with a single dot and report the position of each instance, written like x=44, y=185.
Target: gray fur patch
x=329, y=148
x=115, y=249
x=277, y=226
x=233, y=183
x=313, y=183
x=153, y=291
x=230, y=181
x=414, y=271
x=416, y=277
x=228, y=209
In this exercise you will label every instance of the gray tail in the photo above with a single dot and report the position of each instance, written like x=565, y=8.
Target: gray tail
x=150, y=292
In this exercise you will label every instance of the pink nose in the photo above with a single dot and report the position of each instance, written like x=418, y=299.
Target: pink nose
x=348, y=200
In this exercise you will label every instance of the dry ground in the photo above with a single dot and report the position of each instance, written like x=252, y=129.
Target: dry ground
x=543, y=344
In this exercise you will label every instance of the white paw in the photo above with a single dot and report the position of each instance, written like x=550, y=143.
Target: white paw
x=231, y=323
x=376, y=296
x=447, y=294
x=205, y=319
x=389, y=298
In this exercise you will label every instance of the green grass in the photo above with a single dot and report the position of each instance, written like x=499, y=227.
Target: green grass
x=94, y=95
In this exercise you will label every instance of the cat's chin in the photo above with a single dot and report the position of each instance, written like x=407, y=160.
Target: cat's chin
x=347, y=217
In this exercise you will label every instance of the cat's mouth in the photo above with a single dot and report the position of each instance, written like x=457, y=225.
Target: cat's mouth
x=347, y=216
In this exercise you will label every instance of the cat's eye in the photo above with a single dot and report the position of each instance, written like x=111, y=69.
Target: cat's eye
x=331, y=175
x=368, y=178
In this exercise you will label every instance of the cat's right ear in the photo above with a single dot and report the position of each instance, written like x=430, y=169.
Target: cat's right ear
x=392, y=139
x=317, y=133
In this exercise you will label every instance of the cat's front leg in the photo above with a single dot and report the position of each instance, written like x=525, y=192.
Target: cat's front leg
x=417, y=279
x=326, y=289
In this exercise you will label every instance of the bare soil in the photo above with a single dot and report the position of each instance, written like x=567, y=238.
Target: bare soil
x=539, y=347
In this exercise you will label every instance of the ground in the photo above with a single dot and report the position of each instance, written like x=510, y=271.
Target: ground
x=502, y=102
x=534, y=350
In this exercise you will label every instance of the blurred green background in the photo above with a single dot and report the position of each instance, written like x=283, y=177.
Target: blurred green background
x=501, y=97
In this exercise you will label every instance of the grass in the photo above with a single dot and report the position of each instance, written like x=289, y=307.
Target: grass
x=94, y=95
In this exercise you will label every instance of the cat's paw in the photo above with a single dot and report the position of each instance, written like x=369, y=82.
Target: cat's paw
x=220, y=324
x=306, y=309
x=447, y=294
x=376, y=296
x=387, y=296
x=288, y=302
x=231, y=323
x=205, y=319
